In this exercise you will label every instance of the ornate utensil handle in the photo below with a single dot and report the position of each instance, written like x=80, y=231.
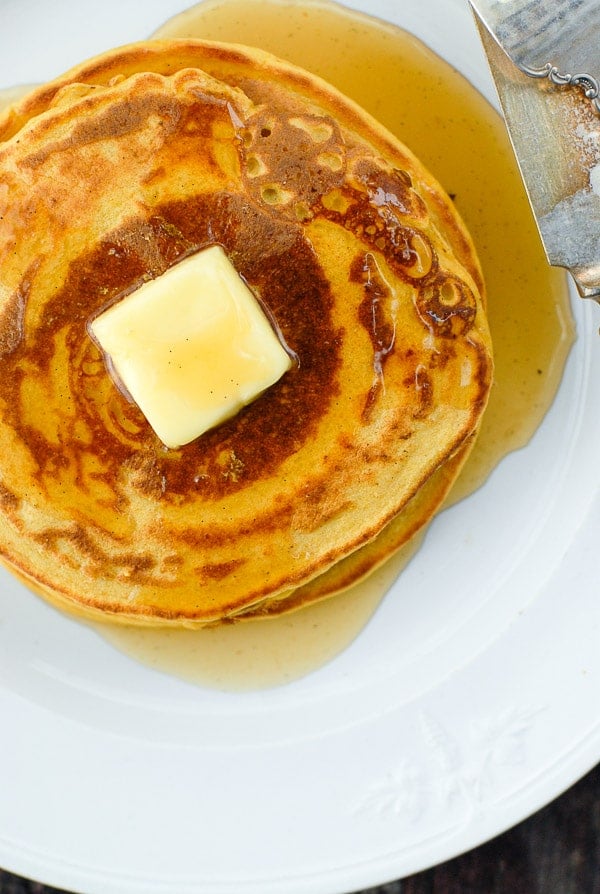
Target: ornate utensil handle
x=588, y=84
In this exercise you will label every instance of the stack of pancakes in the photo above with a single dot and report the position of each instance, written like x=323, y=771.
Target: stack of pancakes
x=109, y=176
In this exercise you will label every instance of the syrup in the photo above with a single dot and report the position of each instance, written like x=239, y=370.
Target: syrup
x=461, y=139
x=265, y=653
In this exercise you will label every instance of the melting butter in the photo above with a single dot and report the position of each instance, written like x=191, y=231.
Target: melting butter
x=191, y=347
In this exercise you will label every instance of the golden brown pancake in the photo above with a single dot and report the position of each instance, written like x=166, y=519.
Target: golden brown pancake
x=135, y=160
x=363, y=561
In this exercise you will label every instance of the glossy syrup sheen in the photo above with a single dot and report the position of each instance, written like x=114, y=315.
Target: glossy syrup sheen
x=461, y=139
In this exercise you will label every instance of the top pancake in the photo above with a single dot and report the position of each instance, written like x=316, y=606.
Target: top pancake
x=113, y=173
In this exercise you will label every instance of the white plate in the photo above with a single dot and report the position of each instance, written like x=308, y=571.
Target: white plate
x=450, y=718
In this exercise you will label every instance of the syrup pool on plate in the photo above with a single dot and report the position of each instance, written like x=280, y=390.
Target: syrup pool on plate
x=462, y=140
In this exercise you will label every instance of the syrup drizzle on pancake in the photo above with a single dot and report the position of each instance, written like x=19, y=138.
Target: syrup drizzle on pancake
x=528, y=302
x=461, y=139
x=526, y=299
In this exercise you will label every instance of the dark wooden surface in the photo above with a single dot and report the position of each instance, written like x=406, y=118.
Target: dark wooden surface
x=556, y=851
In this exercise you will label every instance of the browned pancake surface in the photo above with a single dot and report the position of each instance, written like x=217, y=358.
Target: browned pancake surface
x=129, y=164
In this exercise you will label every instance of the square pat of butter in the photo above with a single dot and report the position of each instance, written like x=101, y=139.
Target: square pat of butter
x=192, y=347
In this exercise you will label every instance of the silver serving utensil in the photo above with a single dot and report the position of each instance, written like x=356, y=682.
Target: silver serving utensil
x=553, y=118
